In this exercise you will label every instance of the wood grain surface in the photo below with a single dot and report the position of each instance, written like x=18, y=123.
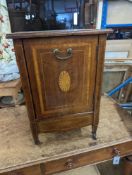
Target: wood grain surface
x=45, y=69
x=54, y=33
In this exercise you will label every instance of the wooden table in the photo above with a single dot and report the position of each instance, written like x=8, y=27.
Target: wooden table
x=61, y=151
x=11, y=88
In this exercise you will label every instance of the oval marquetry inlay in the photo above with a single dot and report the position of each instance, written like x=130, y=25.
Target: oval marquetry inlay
x=64, y=81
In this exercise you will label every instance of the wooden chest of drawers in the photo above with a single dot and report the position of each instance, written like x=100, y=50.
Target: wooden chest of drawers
x=61, y=73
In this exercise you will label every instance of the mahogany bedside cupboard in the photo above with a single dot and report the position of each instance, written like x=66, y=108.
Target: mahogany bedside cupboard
x=61, y=73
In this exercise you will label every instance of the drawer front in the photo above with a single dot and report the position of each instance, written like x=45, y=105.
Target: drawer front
x=91, y=157
x=62, y=74
x=34, y=170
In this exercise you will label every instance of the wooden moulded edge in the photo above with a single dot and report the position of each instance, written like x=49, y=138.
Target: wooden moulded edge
x=57, y=33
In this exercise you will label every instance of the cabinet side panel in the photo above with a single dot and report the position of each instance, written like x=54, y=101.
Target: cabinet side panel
x=99, y=76
x=25, y=84
x=24, y=77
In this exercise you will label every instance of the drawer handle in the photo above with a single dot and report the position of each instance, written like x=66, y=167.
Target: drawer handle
x=60, y=56
x=69, y=164
x=116, y=151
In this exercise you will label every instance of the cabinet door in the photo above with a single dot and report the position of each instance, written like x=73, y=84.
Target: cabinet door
x=62, y=74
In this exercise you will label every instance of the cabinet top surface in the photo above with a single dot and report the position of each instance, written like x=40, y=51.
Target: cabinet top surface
x=57, y=33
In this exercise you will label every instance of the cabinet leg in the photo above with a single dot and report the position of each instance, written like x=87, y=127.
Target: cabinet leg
x=36, y=140
x=94, y=130
x=35, y=134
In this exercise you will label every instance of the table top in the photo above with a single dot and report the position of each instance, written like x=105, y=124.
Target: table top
x=17, y=149
x=10, y=84
x=57, y=33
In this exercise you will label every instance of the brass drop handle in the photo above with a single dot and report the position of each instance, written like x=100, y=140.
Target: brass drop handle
x=116, y=151
x=69, y=164
x=60, y=56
